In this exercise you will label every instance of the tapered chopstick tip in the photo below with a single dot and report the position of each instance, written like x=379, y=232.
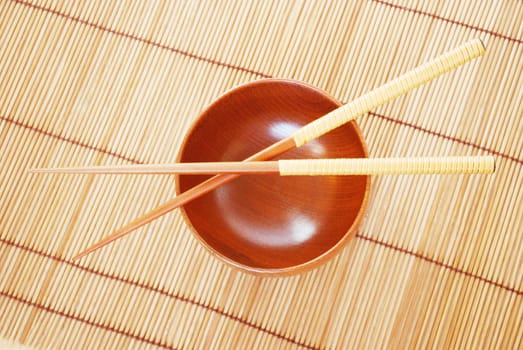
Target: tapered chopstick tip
x=79, y=256
x=40, y=170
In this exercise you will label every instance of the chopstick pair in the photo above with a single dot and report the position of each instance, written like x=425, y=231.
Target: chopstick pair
x=304, y=167
x=330, y=121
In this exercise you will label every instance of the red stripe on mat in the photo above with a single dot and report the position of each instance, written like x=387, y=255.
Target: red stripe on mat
x=439, y=263
x=82, y=320
x=450, y=138
x=137, y=38
x=236, y=318
x=448, y=20
x=155, y=290
x=381, y=116
x=67, y=139
x=233, y=66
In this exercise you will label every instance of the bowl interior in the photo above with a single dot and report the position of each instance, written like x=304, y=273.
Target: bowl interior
x=268, y=221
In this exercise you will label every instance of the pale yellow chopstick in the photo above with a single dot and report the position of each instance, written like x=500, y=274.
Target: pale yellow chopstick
x=309, y=167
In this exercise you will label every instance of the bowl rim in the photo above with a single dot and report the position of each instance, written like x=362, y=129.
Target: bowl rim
x=283, y=271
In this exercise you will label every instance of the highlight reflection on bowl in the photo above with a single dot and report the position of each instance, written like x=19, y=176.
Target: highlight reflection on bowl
x=268, y=224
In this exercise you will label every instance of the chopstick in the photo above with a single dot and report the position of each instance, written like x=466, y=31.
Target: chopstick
x=344, y=114
x=304, y=167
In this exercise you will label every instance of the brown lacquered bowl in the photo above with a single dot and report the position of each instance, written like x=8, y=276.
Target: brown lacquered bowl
x=269, y=224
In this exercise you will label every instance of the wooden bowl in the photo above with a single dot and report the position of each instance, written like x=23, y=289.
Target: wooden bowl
x=269, y=224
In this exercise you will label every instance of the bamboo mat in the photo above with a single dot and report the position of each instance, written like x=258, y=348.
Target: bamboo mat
x=436, y=263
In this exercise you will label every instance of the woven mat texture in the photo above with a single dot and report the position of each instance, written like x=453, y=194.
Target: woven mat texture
x=437, y=261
